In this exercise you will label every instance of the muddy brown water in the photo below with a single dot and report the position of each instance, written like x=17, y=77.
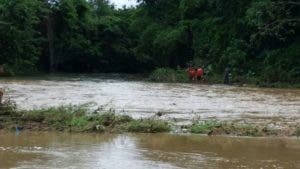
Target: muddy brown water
x=182, y=102
x=145, y=151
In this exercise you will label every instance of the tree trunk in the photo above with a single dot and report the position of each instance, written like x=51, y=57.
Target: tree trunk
x=50, y=44
x=52, y=65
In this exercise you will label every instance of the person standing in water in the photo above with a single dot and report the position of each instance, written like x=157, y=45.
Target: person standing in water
x=1, y=96
x=1, y=69
x=191, y=73
x=199, y=73
x=227, y=76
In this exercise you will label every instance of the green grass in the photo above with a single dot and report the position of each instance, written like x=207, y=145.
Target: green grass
x=148, y=126
x=8, y=107
x=77, y=119
x=204, y=127
x=216, y=128
x=244, y=130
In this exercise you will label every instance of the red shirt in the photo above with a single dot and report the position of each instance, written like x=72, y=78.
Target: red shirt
x=192, y=72
x=199, y=72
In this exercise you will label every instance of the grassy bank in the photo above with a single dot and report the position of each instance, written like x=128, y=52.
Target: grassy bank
x=212, y=127
x=76, y=119
x=181, y=76
x=80, y=119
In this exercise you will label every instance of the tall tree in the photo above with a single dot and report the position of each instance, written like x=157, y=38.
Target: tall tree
x=20, y=41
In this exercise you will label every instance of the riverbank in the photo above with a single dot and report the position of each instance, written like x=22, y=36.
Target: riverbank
x=165, y=75
x=75, y=119
x=80, y=119
x=180, y=76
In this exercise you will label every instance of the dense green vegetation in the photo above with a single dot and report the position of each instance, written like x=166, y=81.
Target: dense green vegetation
x=169, y=75
x=255, y=38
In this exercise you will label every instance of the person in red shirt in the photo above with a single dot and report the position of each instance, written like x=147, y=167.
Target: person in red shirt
x=192, y=73
x=199, y=73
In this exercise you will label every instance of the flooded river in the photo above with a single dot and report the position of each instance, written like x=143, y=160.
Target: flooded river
x=145, y=151
x=183, y=102
x=179, y=102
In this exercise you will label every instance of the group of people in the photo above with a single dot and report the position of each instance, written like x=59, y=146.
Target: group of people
x=195, y=74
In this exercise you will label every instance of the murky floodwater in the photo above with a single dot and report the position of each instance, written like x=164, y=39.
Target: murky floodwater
x=94, y=151
x=140, y=99
x=182, y=102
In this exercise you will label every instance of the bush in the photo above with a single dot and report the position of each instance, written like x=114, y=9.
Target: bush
x=282, y=65
x=148, y=126
x=215, y=127
x=8, y=107
x=204, y=127
x=169, y=75
x=76, y=119
x=244, y=130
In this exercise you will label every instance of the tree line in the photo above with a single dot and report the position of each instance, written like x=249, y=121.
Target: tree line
x=253, y=37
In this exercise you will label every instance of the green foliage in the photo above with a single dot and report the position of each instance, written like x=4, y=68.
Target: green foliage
x=76, y=119
x=244, y=130
x=8, y=107
x=235, y=55
x=212, y=127
x=204, y=127
x=255, y=38
x=148, y=126
x=20, y=40
x=79, y=121
x=273, y=21
x=190, y=9
x=57, y=116
x=169, y=75
x=282, y=65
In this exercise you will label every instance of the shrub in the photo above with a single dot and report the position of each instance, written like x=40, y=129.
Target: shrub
x=297, y=132
x=148, y=126
x=204, y=127
x=8, y=107
x=169, y=75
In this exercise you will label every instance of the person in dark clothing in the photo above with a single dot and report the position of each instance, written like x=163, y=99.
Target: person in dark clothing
x=1, y=69
x=227, y=76
x=1, y=96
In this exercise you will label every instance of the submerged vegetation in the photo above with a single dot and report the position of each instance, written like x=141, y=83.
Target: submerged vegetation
x=257, y=39
x=212, y=127
x=217, y=128
x=81, y=119
x=76, y=119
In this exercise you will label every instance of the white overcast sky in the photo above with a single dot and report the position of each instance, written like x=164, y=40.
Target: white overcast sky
x=120, y=3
